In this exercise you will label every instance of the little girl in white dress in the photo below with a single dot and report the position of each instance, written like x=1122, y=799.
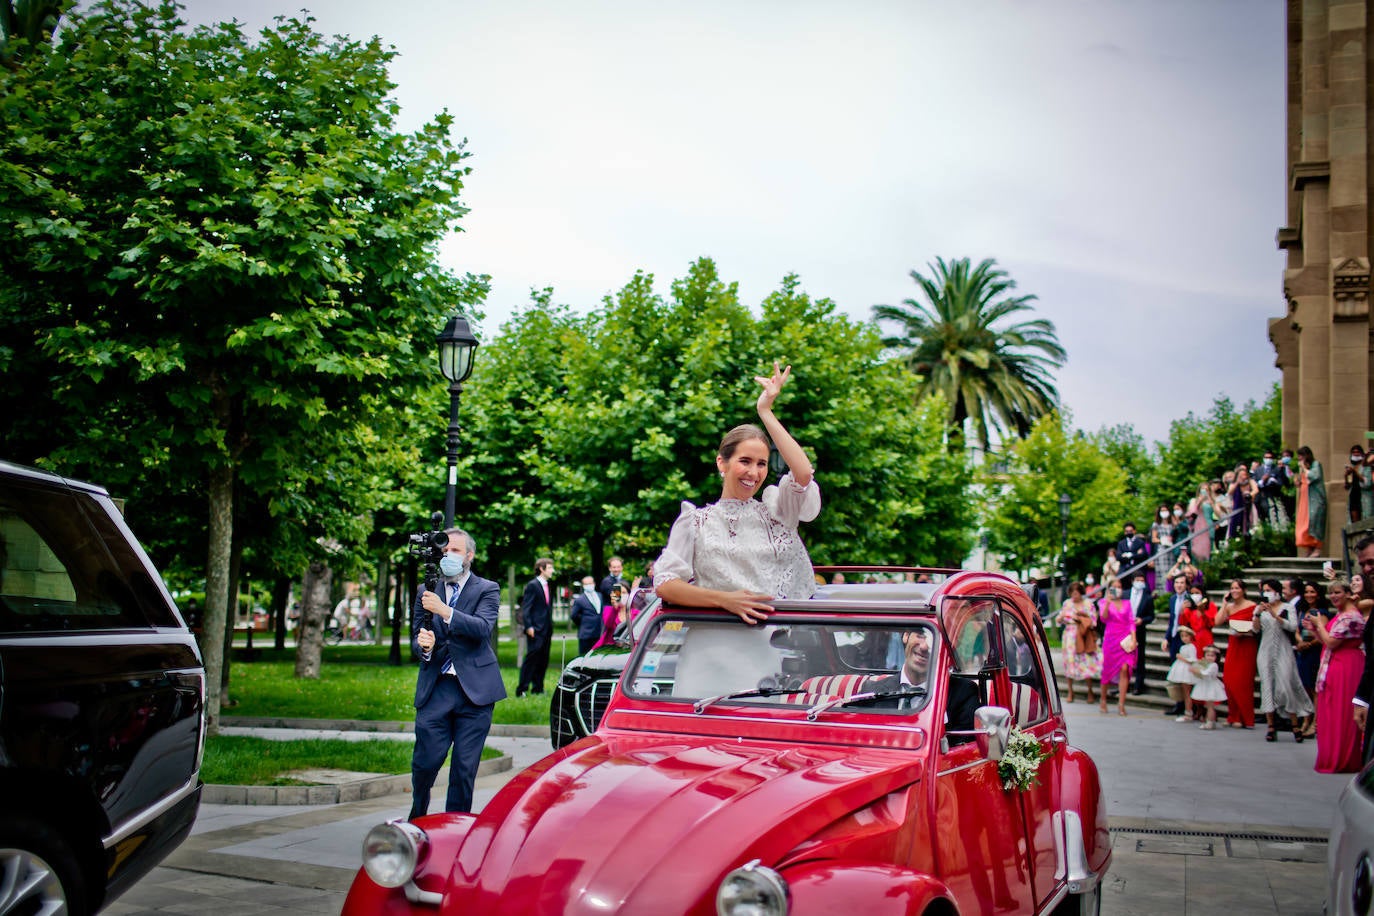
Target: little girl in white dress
x=1181, y=677
x=1208, y=688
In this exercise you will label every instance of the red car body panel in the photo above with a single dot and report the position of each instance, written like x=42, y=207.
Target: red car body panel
x=857, y=810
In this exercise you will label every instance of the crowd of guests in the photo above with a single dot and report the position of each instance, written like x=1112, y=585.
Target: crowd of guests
x=1303, y=642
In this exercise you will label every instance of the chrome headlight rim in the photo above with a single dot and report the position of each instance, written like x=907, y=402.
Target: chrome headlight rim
x=393, y=852
x=768, y=891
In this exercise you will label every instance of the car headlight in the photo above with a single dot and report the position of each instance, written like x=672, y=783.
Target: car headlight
x=752, y=890
x=393, y=851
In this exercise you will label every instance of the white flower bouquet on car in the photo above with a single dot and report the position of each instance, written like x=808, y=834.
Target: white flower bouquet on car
x=1020, y=765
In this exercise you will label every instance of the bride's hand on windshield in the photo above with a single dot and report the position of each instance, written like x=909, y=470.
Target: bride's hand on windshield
x=751, y=607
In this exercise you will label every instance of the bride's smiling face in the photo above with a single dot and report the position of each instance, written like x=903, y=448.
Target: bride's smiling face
x=745, y=470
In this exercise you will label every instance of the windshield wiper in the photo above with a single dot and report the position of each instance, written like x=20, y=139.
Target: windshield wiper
x=700, y=705
x=874, y=696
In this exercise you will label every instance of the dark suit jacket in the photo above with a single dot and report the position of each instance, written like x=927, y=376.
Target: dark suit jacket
x=1131, y=551
x=465, y=640
x=535, y=612
x=607, y=584
x=1175, y=606
x=586, y=615
x=1366, y=690
x=1146, y=612
x=961, y=704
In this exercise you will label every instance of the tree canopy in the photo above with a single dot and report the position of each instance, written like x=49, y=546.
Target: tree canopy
x=219, y=268
x=963, y=342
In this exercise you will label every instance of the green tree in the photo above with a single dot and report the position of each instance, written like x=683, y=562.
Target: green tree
x=219, y=268
x=1021, y=507
x=25, y=24
x=1200, y=448
x=961, y=341
x=587, y=433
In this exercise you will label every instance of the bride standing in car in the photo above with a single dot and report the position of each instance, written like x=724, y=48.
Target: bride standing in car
x=740, y=553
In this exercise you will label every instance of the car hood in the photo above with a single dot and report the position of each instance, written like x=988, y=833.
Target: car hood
x=613, y=822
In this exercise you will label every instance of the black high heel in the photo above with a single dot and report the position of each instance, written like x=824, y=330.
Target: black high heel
x=1297, y=733
x=1271, y=735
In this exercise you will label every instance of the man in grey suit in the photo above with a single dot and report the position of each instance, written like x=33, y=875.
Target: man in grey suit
x=459, y=681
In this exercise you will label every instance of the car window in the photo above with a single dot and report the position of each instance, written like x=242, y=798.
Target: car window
x=971, y=625
x=65, y=565
x=1028, y=702
x=692, y=659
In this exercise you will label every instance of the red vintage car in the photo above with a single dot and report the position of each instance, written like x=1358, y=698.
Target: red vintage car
x=842, y=757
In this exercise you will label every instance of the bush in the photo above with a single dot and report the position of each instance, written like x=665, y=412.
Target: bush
x=1230, y=559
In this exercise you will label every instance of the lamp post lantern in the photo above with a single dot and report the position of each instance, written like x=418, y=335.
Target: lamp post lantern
x=1064, y=503
x=457, y=346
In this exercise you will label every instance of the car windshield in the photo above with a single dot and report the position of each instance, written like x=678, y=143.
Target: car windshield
x=791, y=662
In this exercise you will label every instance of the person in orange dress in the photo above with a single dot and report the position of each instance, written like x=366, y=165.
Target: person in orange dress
x=1242, y=651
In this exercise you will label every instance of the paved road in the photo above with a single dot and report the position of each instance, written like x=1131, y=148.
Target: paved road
x=1202, y=822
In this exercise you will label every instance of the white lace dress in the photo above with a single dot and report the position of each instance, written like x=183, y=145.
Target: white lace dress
x=748, y=544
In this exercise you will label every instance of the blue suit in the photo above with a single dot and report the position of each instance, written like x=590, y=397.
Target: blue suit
x=455, y=709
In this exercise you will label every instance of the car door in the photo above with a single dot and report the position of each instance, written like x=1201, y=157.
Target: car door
x=1035, y=710
x=978, y=830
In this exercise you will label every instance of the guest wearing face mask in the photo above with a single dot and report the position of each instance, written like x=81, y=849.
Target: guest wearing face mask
x=1222, y=495
x=1359, y=485
x=1119, y=645
x=1201, y=518
x=1268, y=479
x=1243, y=495
x=1281, y=691
x=585, y=614
x=1143, y=606
x=1161, y=546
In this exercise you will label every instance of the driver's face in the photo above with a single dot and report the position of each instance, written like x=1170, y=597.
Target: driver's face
x=917, y=643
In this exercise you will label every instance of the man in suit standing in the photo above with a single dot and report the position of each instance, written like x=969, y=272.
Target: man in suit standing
x=1364, y=694
x=586, y=615
x=1178, y=600
x=1143, y=605
x=459, y=681
x=1131, y=549
x=536, y=612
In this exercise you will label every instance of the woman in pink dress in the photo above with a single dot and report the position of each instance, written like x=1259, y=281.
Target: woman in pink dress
x=1242, y=656
x=1338, y=738
x=1118, y=659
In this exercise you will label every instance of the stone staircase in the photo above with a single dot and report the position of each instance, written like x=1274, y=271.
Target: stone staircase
x=1157, y=661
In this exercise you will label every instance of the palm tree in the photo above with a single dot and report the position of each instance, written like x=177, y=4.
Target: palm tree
x=960, y=342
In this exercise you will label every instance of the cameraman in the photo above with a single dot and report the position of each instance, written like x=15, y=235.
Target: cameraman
x=459, y=681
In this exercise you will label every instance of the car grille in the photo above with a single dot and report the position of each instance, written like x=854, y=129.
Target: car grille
x=592, y=701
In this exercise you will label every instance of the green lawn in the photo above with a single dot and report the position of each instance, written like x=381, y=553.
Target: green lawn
x=244, y=761
x=356, y=682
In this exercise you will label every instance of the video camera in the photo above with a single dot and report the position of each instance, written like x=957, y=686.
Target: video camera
x=428, y=548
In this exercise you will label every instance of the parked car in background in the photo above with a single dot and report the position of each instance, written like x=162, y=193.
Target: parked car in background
x=844, y=756
x=1350, y=853
x=101, y=701
x=584, y=688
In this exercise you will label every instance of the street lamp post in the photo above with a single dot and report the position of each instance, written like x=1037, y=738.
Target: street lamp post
x=457, y=345
x=1064, y=503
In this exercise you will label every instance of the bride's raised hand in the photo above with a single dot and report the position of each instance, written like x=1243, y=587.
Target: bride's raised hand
x=772, y=386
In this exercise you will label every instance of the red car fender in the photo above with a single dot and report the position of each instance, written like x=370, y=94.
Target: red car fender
x=823, y=887
x=1081, y=792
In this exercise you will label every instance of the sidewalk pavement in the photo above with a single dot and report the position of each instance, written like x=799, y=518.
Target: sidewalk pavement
x=1202, y=821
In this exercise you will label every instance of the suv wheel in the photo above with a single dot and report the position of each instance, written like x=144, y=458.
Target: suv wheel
x=38, y=873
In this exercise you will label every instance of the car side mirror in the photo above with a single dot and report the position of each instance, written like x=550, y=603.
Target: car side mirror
x=993, y=729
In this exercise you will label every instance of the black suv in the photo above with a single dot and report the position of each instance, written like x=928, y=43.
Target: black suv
x=101, y=701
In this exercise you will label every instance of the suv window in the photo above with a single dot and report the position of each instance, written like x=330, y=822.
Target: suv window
x=58, y=570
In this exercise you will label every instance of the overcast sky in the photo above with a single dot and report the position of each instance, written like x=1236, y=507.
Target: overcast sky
x=1123, y=161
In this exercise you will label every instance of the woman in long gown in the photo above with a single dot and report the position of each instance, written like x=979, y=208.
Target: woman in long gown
x=1338, y=738
x=1082, y=657
x=1200, y=523
x=1281, y=691
x=1118, y=660
x=1161, y=546
x=739, y=553
x=1242, y=649
x=1307, y=652
x=1311, y=508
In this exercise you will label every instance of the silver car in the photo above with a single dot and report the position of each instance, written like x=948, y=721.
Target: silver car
x=1350, y=882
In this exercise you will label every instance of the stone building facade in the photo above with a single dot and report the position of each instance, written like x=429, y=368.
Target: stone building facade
x=1323, y=342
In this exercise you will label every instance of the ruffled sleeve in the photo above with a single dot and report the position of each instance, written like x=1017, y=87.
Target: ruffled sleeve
x=676, y=560
x=791, y=503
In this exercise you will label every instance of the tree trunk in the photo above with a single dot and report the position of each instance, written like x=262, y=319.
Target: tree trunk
x=398, y=610
x=235, y=562
x=379, y=597
x=220, y=499
x=315, y=607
